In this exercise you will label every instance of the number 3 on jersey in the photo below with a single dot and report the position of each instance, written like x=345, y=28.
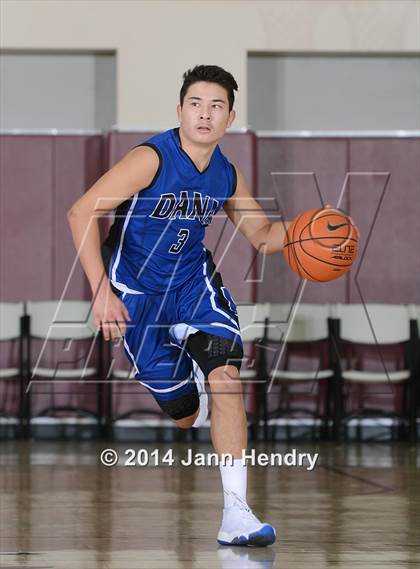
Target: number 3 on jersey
x=183, y=235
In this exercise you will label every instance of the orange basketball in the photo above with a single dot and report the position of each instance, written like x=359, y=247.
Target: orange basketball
x=321, y=244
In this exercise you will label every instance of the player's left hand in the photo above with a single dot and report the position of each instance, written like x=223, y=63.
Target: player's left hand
x=110, y=313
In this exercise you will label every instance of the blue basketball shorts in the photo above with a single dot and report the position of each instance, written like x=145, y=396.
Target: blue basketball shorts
x=157, y=338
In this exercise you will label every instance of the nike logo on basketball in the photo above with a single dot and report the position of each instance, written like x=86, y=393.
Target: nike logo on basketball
x=334, y=227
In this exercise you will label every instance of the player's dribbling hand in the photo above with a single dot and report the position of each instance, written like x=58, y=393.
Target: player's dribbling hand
x=110, y=314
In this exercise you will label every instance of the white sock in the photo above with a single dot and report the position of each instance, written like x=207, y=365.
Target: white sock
x=234, y=479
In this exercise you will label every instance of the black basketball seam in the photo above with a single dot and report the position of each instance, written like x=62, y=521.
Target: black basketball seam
x=328, y=214
x=317, y=238
x=312, y=238
x=300, y=267
x=299, y=264
x=294, y=254
x=322, y=237
x=310, y=221
x=322, y=260
x=306, y=270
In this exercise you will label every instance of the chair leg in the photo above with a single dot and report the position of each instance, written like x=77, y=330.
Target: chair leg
x=27, y=414
x=260, y=410
x=338, y=410
x=265, y=411
x=272, y=431
x=5, y=405
x=412, y=420
x=14, y=403
x=360, y=398
x=325, y=426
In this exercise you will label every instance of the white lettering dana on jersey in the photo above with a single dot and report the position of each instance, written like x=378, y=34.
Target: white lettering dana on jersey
x=198, y=207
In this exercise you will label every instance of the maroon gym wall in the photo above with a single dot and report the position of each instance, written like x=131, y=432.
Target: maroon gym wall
x=390, y=270
x=41, y=176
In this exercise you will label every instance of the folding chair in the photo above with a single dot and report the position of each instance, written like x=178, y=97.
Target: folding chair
x=11, y=370
x=372, y=335
x=302, y=368
x=414, y=314
x=122, y=376
x=68, y=353
x=253, y=321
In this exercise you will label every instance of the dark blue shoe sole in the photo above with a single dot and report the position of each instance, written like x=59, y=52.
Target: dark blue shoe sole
x=265, y=536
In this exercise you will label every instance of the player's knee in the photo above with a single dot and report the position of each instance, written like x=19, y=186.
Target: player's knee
x=226, y=373
x=182, y=409
x=215, y=353
x=225, y=380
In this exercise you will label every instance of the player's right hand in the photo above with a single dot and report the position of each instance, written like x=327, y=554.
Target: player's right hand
x=110, y=314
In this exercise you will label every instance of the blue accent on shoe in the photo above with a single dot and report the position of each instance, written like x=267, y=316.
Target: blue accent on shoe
x=261, y=538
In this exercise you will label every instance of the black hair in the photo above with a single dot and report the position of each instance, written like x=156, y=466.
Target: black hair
x=211, y=74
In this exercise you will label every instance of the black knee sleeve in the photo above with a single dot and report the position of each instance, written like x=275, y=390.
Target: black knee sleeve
x=210, y=351
x=183, y=406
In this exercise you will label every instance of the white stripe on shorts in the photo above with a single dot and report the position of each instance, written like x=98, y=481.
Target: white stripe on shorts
x=212, y=295
x=118, y=256
x=168, y=389
x=220, y=324
x=131, y=356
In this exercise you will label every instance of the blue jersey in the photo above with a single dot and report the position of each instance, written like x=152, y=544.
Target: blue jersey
x=157, y=236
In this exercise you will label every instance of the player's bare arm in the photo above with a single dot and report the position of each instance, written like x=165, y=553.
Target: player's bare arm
x=246, y=213
x=131, y=174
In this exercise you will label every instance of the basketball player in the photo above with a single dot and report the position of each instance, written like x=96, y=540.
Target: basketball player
x=162, y=292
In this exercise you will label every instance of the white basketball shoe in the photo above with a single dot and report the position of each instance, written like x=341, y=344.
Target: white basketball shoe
x=241, y=527
x=202, y=394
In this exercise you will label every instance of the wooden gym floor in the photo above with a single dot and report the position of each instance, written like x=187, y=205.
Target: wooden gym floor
x=359, y=508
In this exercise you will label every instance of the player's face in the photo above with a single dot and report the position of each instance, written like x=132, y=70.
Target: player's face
x=204, y=115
